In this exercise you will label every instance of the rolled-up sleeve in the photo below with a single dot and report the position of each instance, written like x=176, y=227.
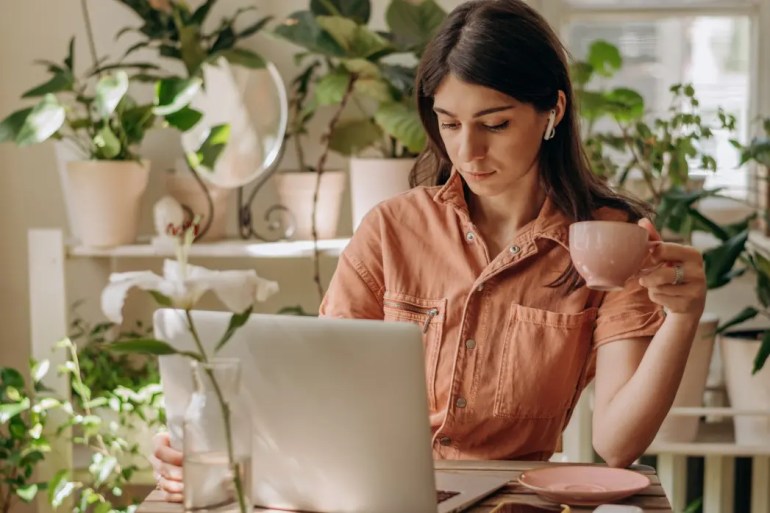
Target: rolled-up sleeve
x=627, y=313
x=356, y=290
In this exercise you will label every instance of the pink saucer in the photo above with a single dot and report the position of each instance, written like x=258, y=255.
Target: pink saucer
x=580, y=485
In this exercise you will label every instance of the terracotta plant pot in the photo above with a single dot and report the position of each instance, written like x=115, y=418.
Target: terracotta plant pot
x=106, y=197
x=295, y=192
x=375, y=180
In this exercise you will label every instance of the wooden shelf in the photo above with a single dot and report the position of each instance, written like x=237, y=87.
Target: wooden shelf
x=219, y=249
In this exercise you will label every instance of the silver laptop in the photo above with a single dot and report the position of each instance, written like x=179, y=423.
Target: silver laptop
x=343, y=403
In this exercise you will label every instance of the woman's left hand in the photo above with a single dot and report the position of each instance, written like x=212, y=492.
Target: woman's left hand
x=674, y=275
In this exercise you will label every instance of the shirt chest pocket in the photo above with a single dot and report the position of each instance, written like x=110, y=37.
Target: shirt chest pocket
x=428, y=314
x=543, y=357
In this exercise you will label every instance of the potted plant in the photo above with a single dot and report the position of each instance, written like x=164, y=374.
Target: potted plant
x=652, y=157
x=352, y=62
x=177, y=33
x=103, y=126
x=745, y=350
x=98, y=118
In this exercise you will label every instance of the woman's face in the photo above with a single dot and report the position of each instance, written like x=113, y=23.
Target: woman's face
x=492, y=139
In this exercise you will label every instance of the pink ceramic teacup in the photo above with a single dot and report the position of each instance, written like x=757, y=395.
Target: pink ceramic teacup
x=607, y=253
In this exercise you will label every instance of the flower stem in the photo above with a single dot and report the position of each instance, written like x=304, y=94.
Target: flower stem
x=235, y=467
x=90, y=34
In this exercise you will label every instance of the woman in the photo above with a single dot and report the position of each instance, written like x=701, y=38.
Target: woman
x=480, y=260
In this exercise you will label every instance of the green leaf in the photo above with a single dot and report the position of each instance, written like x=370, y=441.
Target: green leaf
x=103, y=468
x=109, y=91
x=625, y=105
x=11, y=125
x=413, y=24
x=402, y=123
x=357, y=40
x=107, y=143
x=27, y=493
x=225, y=40
x=103, y=507
x=59, y=82
x=161, y=299
x=236, y=321
x=357, y=10
x=376, y=89
x=81, y=390
x=11, y=377
x=69, y=61
x=581, y=73
x=330, y=90
x=191, y=51
x=173, y=94
x=39, y=370
x=302, y=29
x=254, y=28
x=136, y=121
x=200, y=14
x=13, y=394
x=144, y=346
x=10, y=410
x=207, y=155
x=362, y=67
x=184, y=119
x=45, y=119
x=351, y=137
x=719, y=261
x=605, y=58
x=243, y=57
x=763, y=353
x=59, y=488
x=743, y=316
x=400, y=77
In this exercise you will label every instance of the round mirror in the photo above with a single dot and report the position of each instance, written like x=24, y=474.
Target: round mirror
x=253, y=103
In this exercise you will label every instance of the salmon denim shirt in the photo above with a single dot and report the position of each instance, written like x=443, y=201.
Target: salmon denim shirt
x=506, y=356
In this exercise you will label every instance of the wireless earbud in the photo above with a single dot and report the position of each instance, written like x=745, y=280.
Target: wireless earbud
x=550, y=130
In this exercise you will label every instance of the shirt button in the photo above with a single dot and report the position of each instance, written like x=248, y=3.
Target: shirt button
x=470, y=343
x=515, y=250
x=445, y=440
x=461, y=403
x=470, y=236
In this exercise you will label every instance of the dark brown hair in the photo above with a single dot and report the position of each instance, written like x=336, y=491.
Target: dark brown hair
x=507, y=46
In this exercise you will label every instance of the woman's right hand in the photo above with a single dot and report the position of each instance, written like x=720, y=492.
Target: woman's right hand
x=167, y=468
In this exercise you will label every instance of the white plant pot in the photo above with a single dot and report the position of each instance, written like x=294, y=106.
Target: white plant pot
x=106, y=196
x=295, y=192
x=681, y=429
x=184, y=188
x=372, y=181
x=747, y=391
x=66, y=153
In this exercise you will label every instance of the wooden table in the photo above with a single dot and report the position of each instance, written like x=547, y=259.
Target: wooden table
x=652, y=499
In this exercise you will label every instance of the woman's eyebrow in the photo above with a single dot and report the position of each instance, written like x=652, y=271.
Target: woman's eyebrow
x=480, y=113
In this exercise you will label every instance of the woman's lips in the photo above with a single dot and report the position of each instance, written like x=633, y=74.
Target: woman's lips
x=479, y=176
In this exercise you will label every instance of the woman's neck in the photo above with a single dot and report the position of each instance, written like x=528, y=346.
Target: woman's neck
x=505, y=214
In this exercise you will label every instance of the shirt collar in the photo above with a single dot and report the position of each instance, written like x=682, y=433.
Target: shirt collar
x=551, y=222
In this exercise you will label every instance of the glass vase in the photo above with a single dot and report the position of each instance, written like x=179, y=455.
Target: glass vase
x=217, y=441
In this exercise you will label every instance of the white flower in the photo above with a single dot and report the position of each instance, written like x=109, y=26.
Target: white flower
x=184, y=284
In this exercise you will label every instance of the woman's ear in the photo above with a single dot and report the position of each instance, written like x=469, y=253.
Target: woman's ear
x=560, y=107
